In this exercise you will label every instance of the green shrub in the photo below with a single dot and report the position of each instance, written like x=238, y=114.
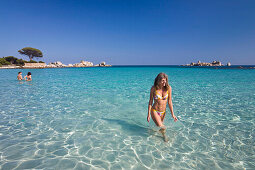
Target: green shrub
x=20, y=62
x=4, y=62
x=41, y=62
x=11, y=59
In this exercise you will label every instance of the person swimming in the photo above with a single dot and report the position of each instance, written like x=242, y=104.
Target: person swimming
x=28, y=77
x=161, y=94
x=19, y=77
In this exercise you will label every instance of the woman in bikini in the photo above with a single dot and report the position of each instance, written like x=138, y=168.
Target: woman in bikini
x=161, y=93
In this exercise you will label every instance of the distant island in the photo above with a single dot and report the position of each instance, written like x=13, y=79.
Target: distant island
x=214, y=63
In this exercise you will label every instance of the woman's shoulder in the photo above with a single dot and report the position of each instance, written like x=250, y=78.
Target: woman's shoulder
x=169, y=89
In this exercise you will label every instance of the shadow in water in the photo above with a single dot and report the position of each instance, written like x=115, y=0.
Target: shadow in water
x=130, y=128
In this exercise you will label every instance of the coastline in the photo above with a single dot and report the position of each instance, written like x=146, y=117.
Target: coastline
x=177, y=66
x=20, y=67
x=57, y=64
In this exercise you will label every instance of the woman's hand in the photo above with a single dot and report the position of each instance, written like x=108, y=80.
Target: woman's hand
x=148, y=118
x=175, y=118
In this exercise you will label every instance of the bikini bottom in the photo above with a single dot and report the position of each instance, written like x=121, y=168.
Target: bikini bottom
x=159, y=113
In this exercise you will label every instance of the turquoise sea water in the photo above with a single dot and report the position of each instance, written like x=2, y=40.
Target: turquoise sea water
x=81, y=118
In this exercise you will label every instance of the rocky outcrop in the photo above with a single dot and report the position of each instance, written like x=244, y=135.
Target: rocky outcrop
x=83, y=64
x=103, y=64
x=56, y=64
x=87, y=63
x=214, y=63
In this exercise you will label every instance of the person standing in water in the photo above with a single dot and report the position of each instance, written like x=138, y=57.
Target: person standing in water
x=19, y=77
x=161, y=93
x=28, y=77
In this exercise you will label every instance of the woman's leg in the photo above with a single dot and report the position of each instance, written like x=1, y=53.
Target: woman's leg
x=163, y=117
x=159, y=122
x=157, y=119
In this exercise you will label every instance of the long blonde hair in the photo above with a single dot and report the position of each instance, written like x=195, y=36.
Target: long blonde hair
x=158, y=79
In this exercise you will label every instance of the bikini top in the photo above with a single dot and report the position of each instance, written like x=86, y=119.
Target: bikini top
x=159, y=97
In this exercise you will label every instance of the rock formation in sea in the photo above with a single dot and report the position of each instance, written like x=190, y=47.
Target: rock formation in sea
x=199, y=63
x=83, y=64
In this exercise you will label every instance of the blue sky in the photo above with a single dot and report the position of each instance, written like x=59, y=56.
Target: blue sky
x=130, y=32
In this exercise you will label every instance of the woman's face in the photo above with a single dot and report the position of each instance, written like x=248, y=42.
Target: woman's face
x=163, y=82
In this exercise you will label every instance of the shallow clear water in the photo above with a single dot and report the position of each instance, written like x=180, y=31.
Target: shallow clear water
x=81, y=118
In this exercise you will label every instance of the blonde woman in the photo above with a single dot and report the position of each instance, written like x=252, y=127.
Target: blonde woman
x=161, y=94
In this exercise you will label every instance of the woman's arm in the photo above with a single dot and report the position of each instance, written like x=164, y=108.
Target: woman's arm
x=150, y=103
x=170, y=103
